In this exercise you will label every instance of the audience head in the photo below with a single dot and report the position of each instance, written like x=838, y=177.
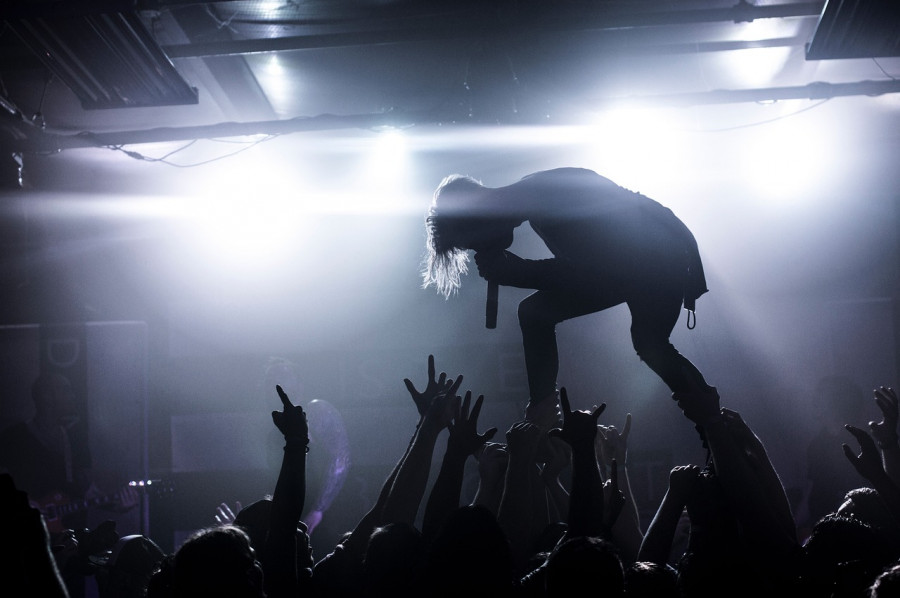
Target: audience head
x=584, y=561
x=254, y=520
x=650, y=580
x=131, y=563
x=843, y=555
x=866, y=505
x=393, y=561
x=712, y=574
x=216, y=561
x=469, y=555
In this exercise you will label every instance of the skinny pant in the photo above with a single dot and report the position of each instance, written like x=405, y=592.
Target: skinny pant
x=655, y=305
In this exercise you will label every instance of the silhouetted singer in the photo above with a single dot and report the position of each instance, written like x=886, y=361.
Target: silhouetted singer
x=610, y=246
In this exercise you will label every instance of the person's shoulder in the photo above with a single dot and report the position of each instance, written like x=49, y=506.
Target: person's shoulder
x=562, y=173
x=570, y=177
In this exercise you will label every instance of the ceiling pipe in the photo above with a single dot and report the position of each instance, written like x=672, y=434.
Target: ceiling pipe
x=38, y=141
x=47, y=142
x=483, y=25
x=818, y=90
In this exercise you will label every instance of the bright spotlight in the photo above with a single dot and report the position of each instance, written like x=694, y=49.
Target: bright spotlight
x=273, y=65
x=633, y=145
x=270, y=10
x=785, y=162
x=755, y=67
x=281, y=89
x=247, y=221
x=387, y=159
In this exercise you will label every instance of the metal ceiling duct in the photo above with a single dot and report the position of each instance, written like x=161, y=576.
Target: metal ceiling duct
x=105, y=55
x=856, y=29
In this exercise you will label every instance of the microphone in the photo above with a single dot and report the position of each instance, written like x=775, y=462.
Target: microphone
x=490, y=308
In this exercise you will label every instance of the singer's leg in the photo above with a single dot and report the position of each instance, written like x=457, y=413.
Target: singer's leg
x=539, y=313
x=654, y=312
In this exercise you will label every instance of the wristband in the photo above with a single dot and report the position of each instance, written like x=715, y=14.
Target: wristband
x=294, y=441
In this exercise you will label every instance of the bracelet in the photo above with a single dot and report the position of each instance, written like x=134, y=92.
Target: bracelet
x=293, y=441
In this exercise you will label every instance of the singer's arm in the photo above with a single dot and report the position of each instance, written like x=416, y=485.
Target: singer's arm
x=507, y=269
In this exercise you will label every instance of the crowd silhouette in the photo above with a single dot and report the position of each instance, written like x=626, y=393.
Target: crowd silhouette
x=552, y=516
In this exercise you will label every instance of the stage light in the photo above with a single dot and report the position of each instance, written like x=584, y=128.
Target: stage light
x=785, y=162
x=270, y=10
x=754, y=67
x=245, y=221
x=273, y=65
x=386, y=161
x=281, y=90
x=636, y=145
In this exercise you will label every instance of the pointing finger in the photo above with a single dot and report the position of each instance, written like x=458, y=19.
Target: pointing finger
x=283, y=396
x=564, y=401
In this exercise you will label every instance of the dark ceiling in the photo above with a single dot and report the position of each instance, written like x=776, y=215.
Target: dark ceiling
x=101, y=73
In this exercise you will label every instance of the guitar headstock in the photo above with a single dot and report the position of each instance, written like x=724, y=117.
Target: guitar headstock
x=156, y=487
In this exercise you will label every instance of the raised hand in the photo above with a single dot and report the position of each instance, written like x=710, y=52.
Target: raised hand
x=577, y=426
x=683, y=481
x=545, y=413
x=224, y=514
x=612, y=445
x=443, y=407
x=291, y=420
x=433, y=388
x=868, y=462
x=885, y=431
x=464, y=437
x=522, y=438
x=492, y=460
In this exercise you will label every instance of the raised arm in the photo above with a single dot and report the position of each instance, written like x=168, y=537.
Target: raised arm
x=405, y=497
x=868, y=464
x=433, y=387
x=885, y=431
x=280, y=554
x=612, y=447
x=579, y=428
x=492, y=461
x=750, y=483
x=462, y=442
x=517, y=503
x=375, y=516
x=657, y=543
x=558, y=458
x=339, y=573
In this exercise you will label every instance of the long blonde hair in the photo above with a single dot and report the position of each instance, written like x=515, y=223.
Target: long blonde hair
x=445, y=262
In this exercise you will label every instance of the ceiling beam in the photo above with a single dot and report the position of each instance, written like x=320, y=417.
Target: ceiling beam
x=491, y=26
x=37, y=140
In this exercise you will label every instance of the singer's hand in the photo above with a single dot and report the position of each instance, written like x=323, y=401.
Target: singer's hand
x=501, y=267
